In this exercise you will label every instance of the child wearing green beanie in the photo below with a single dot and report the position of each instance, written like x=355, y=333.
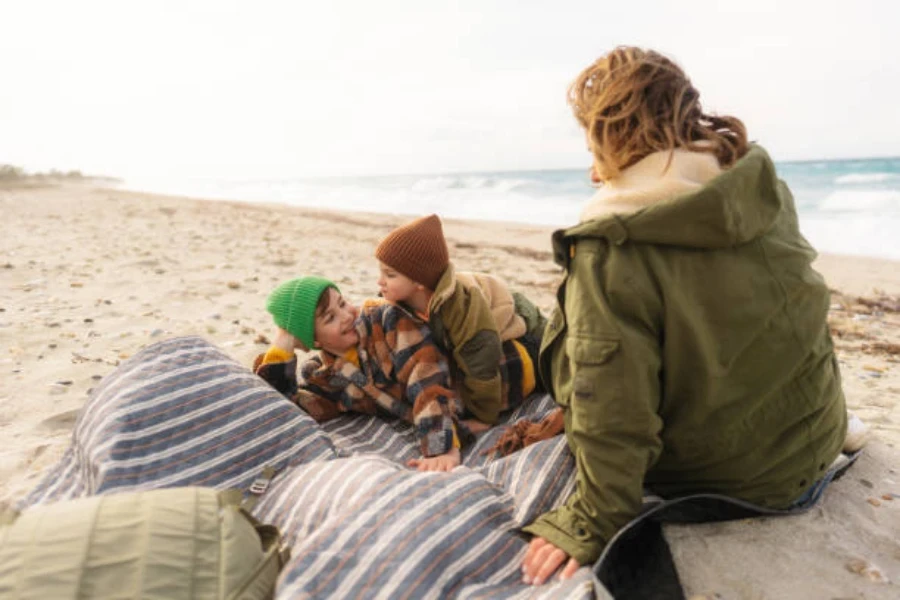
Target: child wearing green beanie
x=344, y=372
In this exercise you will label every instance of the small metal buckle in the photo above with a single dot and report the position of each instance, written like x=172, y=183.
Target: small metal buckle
x=259, y=487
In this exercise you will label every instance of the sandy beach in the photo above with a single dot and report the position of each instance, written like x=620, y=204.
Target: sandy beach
x=90, y=275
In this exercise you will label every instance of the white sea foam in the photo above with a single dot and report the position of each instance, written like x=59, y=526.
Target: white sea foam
x=843, y=208
x=856, y=235
x=490, y=198
x=853, y=178
x=862, y=201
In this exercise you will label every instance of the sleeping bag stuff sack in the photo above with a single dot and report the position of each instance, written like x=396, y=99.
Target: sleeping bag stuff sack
x=180, y=543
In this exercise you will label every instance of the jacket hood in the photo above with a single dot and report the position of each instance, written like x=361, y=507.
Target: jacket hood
x=684, y=199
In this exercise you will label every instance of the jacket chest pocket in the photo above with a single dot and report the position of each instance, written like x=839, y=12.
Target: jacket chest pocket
x=592, y=366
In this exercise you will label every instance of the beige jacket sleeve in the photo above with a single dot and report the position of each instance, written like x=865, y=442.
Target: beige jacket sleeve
x=500, y=301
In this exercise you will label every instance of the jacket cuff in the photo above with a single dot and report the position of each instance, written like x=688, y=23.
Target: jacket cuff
x=562, y=529
x=436, y=443
x=276, y=355
x=280, y=375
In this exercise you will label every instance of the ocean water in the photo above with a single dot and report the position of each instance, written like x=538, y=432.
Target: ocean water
x=846, y=206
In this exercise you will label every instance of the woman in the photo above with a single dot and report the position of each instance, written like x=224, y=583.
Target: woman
x=689, y=350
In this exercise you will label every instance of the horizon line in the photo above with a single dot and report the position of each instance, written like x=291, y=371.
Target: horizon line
x=88, y=175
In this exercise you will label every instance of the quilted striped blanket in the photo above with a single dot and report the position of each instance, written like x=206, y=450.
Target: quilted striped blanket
x=360, y=524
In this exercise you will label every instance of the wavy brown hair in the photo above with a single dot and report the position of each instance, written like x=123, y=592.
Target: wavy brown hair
x=634, y=102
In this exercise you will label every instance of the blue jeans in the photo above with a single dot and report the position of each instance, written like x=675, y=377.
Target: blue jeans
x=814, y=492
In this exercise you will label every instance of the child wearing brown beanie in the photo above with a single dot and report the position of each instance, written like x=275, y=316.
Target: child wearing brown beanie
x=491, y=335
x=345, y=372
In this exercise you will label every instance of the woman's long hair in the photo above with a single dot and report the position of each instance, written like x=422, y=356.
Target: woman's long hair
x=634, y=102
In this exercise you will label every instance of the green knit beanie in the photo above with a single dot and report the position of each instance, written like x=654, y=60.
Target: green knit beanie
x=293, y=306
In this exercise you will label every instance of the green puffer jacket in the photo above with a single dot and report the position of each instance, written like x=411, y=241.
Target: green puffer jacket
x=689, y=348
x=471, y=315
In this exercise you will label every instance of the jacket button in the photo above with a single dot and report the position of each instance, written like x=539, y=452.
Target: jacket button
x=802, y=483
x=822, y=467
x=581, y=532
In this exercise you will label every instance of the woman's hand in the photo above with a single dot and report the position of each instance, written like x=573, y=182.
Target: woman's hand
x=542, y=560
x=441, y=462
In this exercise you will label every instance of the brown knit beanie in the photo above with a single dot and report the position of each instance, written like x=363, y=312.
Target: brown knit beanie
x=417, y=250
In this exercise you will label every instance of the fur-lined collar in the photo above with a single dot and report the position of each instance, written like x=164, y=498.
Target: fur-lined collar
x=649, y=182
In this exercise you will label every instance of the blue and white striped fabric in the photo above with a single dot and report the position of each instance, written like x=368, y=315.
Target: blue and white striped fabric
x=359, y=522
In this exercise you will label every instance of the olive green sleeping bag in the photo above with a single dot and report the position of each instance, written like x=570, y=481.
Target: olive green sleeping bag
x=182, y=543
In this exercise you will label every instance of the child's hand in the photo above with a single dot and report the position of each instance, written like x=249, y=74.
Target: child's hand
x=284, y=340
x=441, y=462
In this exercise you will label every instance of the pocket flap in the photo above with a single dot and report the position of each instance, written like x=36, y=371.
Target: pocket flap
x=591, y=351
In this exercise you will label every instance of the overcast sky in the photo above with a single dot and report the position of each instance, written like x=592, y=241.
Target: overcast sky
x=281, y=89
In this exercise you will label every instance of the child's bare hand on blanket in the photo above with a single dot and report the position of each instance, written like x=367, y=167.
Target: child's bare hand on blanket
x=543, y=559
x=441, y=462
